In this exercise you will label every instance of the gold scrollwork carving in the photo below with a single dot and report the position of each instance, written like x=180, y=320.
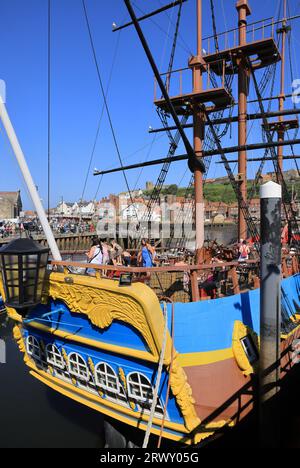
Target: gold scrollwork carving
x=19, y=338
x=136, y=306
x=92, y=369
x=124, y=383
x=240, y=330
x=103, y=306
x=183, y=394
x=209, y=429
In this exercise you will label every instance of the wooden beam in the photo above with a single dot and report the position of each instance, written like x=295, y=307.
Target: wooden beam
x=234, y=119
x=149, y=15
x=183, y=157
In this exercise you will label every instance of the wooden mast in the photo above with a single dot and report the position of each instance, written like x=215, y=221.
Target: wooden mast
x=281, y=129
x=199, y=125
x=243, y=78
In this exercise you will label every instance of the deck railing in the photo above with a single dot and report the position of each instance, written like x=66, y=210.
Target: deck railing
x=179, y=82
x=183, y=282
x=255, y=31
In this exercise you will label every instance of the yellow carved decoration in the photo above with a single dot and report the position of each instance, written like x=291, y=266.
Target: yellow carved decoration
x=104, y=301
x=12, y=313
x=65, y=356
x=66, y=359
x=240, y=330
x=92, y=369
x=124, y=382
x=123, y=378
x=183, y=394
x=19, y=338
x=209, y=429
x=91, y=365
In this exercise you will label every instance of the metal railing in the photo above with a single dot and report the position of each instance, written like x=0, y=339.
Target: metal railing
x=180, y=85
x=258, y=30
x=186, y=282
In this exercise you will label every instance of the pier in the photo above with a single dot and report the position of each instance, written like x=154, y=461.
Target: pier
x=164, y=314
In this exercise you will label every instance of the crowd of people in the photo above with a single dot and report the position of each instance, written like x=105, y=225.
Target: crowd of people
x=9, y=229
x=12, y=228
x=73, y=226
x=111, y=253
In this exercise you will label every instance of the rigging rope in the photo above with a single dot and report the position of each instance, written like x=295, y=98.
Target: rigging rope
x=162, y=60
x=289, y=212
x=158, y=379
x=214, y=25
x=174, y=141
x=179, y=35
x=49, y=111
x=267, y=150
x=209, y=142
x=106, y=106
x=235, y=185
x=100, y=119
x=292, y=79
x=184, y=45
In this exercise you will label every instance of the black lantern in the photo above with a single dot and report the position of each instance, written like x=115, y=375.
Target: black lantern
x=24, y=264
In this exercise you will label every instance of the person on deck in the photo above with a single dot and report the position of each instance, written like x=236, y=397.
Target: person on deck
x=126, y=256
x=145, y=257
x=95, y=255
x=115, y=253
x=105, y=250
x=244, y=252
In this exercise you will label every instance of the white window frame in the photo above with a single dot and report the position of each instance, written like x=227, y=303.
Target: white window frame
x=141, y=387
x=86, y=377
x=36, y=345
x=54, y=351
x=106, y=377
x=249, y=349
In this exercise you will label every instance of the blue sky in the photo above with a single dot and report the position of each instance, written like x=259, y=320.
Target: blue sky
x=76, y=102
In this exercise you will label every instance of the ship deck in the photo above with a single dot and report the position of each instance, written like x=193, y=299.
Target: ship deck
x=261, y=53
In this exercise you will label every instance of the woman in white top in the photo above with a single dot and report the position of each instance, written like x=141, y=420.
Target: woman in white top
x=105, y=252
x=95, y=255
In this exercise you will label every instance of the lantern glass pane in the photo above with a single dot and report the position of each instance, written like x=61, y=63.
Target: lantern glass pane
x=10, y=264
x=30, y=266
x=24, y=266
x=41, y=274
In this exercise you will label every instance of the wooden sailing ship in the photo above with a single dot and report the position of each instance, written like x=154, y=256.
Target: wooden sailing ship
x=168, y=363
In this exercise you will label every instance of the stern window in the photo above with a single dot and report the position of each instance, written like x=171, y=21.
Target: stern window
x=250, y=349
x=106, y=377
x=54, y=356
x=33, y=347
x=78, y=367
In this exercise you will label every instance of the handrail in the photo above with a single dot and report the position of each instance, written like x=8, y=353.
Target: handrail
x=170, y=268
x=236, y=29
x=179, y=77
x=231, y=269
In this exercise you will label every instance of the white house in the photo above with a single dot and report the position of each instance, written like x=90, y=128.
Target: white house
x=64, y=208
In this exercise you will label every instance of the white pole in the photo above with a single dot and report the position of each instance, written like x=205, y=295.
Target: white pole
x=270, y=314
x=29, y=181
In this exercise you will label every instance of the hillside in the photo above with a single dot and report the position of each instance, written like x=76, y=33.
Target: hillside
x=220, y=190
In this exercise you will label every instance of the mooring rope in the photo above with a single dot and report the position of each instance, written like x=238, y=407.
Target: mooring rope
x=170, y=372
x=158, y=379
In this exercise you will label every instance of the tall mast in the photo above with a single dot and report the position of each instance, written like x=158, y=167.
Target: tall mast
x=243, y=77
x=281, y=129
x=199, y=123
